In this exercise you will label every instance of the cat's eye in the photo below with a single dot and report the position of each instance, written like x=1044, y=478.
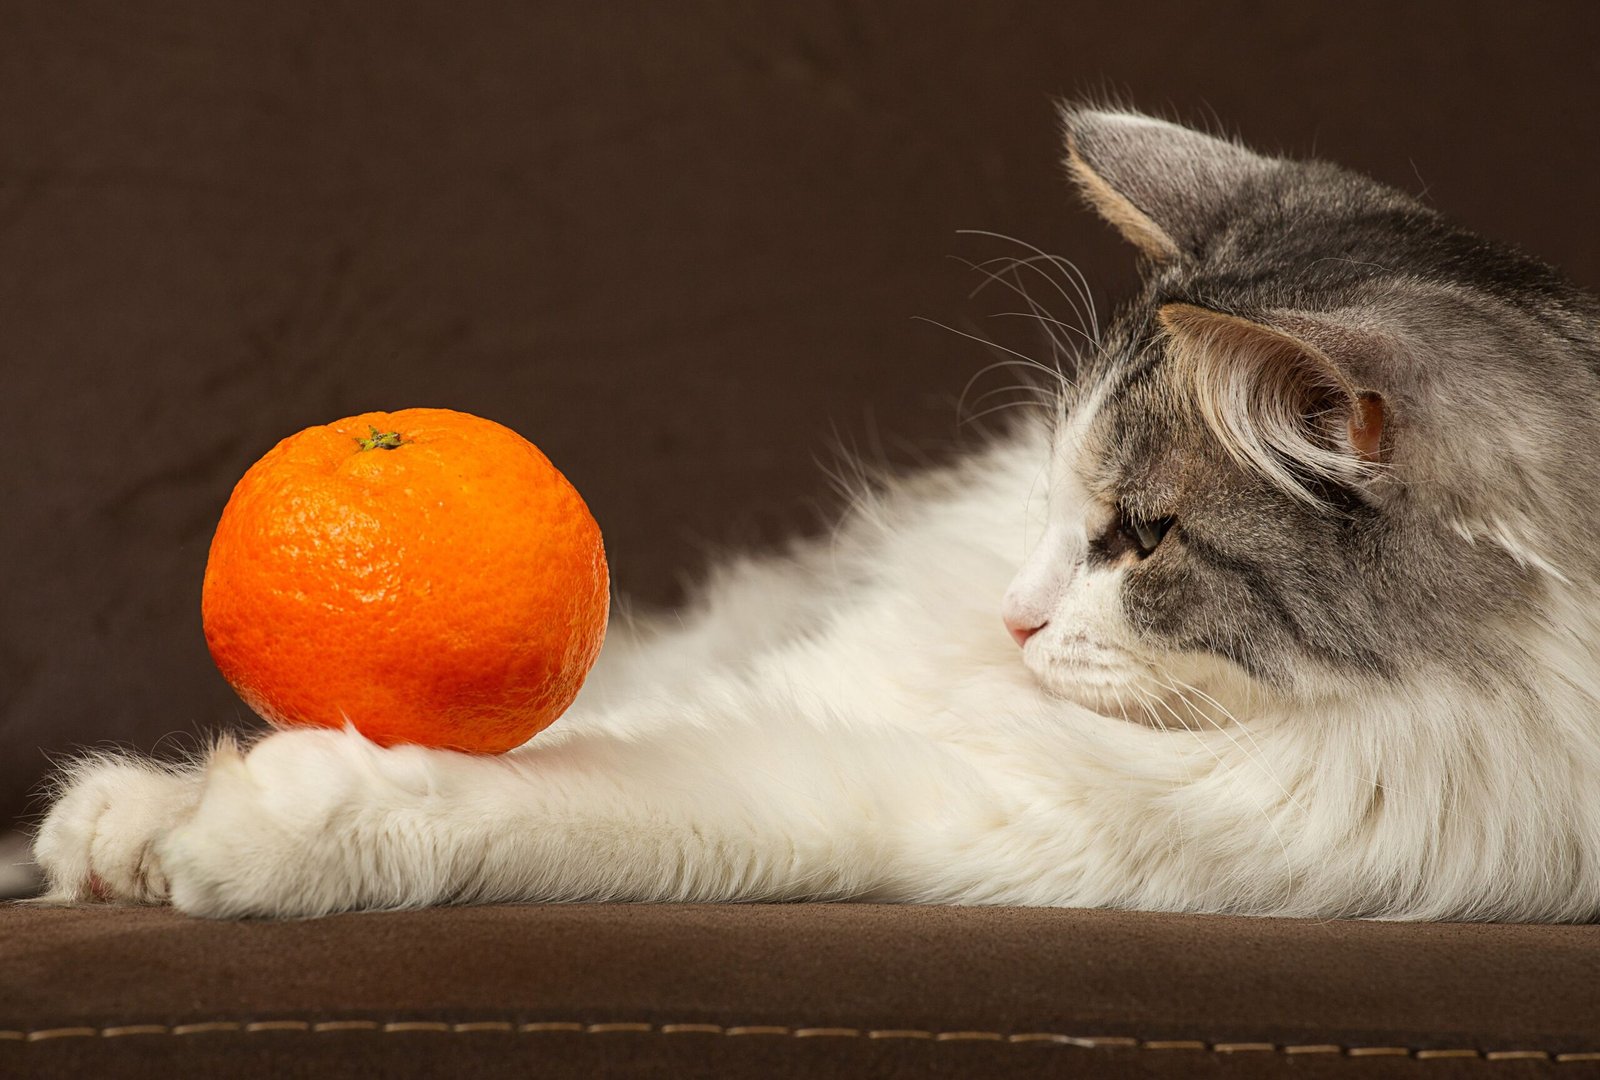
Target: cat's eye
x=1130, y=534
x=1146, y=535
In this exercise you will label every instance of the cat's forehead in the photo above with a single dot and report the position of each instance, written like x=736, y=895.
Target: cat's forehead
x=1134, y=434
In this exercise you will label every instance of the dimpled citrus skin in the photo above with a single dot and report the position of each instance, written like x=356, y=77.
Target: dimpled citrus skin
x=451, y=591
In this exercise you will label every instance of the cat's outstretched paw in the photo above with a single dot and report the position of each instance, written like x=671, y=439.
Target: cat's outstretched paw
x=261, y=832
x=97, y=842
x=293, y=828
x=306, y=822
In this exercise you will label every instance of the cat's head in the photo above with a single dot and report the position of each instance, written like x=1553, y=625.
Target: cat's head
x=1337, y=444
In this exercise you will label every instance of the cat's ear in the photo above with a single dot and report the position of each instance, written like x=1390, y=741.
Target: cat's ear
x=1284, y=392
x=1164, y=187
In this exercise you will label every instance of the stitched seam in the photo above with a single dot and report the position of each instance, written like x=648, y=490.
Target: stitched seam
x=571, y=1027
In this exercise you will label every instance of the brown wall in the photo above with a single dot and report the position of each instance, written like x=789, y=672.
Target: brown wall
x=679, y=245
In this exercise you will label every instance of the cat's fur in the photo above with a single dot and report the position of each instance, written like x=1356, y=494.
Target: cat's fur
x=1305, y=573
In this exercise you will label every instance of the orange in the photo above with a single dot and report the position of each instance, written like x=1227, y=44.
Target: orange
x=425, y=575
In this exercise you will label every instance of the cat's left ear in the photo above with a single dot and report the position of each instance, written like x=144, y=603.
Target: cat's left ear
x=1164, y=187
x=1287, y=393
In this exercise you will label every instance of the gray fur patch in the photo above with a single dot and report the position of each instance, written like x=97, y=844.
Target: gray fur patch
x=1485, y=361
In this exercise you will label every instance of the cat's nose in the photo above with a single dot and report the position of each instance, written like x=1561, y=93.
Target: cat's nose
x=1021, y=631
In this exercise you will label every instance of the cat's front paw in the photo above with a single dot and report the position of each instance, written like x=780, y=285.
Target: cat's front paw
x=298, y=826
x=244, y=849
x=307, y=822
x=98, y=840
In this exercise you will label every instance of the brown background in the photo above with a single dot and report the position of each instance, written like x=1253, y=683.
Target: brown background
x=679, y=245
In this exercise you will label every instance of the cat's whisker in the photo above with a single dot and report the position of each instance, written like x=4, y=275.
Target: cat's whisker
x=1237, y=724
x=1149, y=700
x=1037, y=393
x=1014, y=284
x=1024, y=397
x=1068, y=268
x=1227, y=714
x=1048, y=320
x=1014, y=267
x=1027, y=363
x=978, y=416
x=978, y=413
x=1017, y=360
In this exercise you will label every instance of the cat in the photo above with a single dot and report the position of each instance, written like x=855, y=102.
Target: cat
x=1287, y=603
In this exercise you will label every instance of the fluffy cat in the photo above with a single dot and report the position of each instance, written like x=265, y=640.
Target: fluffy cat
x=1301, y=590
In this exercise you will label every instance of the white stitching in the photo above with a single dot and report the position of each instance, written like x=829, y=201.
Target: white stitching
x=573, y=1027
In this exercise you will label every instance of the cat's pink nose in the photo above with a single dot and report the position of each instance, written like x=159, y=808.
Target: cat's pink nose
x=1021, y=633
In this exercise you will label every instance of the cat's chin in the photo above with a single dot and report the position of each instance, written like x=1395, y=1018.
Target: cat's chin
x=1111, y=697
x=1162, y=716
x=1176, y=692
x=1150, y=701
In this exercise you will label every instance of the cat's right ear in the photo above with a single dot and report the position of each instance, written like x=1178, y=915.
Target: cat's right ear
x=1164, y=187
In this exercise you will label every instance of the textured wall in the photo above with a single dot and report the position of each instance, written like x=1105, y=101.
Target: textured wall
x=679, y=245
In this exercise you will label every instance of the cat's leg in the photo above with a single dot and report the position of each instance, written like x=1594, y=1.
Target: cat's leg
x=309, y=822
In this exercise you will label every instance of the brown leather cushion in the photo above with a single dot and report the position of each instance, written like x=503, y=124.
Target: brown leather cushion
x=789, y=990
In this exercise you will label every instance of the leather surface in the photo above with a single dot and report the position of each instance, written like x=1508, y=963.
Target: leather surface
x=799, y=989
x=679, y=246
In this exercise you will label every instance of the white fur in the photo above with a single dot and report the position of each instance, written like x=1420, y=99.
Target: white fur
x=852, y=720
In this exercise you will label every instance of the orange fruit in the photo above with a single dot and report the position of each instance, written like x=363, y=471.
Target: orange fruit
x=425, y=575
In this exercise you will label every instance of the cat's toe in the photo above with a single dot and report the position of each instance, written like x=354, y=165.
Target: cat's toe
x=96, y=843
